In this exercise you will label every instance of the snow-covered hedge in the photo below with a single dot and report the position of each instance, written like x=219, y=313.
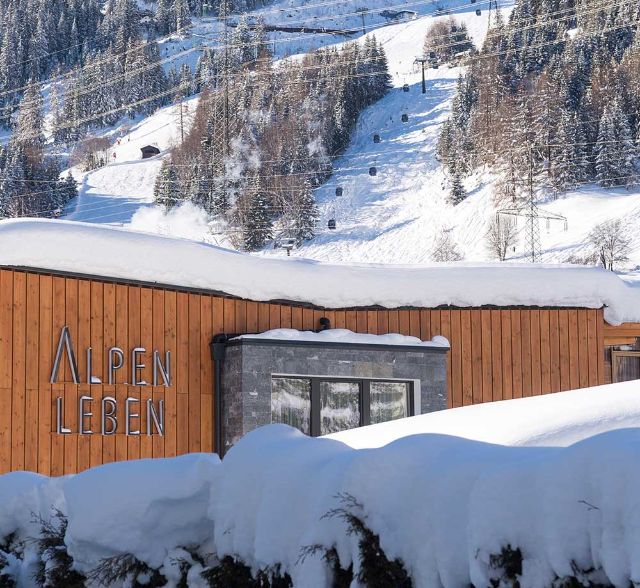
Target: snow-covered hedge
x=283, y=509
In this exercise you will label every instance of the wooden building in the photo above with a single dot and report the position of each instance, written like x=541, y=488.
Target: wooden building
x=496, y=353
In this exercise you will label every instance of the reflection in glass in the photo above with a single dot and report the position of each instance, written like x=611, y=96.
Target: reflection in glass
x=339, y=406
x=388, y=401
x=291, y=402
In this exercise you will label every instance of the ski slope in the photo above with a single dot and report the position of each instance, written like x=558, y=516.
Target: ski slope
x=395, y=216
x=115, y=193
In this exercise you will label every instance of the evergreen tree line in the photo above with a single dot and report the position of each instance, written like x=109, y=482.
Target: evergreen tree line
x=175, y=15
x=105, y=65
x=125, y=78
x=39, y=40
x=283, y=128
x=128, y=78
x=30, y=183
x=552, y=100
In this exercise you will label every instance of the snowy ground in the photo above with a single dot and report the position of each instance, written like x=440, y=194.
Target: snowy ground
x=445, y=492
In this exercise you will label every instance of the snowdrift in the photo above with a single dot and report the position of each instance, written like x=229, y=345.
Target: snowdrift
x=452, y=510
x=118, y=253
x=537, y=421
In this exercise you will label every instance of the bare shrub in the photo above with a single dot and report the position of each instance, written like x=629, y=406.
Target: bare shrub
x=445, y=248
x=91, y=153
x=610, y=243
x=501, y=236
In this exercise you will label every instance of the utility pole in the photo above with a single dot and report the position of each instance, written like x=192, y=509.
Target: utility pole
x=217, y=188
x=225, y=75
x=362, y=12
x=532, y=214
x=423, y=61
x=533, y=233
x=181, y=121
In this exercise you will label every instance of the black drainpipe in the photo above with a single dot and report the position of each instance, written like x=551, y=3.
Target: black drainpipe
x=325, y=324
x=218, y=348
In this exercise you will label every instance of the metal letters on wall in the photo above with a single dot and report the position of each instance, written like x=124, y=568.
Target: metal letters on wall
x=161, y=376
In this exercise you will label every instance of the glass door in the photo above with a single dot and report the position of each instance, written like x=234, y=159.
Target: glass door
x=388, y=401
x=291, y=402
x=339, y=406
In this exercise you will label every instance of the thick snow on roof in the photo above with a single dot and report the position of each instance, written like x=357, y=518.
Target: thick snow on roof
x=119, y=253
x=347, y=336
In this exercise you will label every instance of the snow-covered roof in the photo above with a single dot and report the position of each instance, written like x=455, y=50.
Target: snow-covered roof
x=346, y=336
x=123, y=254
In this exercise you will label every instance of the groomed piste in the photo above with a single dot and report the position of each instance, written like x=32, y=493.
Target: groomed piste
x=541, y=504
x=120, y=253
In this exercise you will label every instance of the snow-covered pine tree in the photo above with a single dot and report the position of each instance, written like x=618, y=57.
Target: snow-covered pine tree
x=55, y=109
x=29, y=132
x=457, y=192
x=166, y=191
x=571, y=162
x=615, y=150
x=14, y=186
x=186, y=81
x=67, y=190
x=255, y=214
x=206, y=68
x=181, y=16
x=165, y=20
x=154, y=81
x=302, y=214
x=125, y=23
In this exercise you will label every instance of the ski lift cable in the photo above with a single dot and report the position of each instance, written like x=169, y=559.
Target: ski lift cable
x=478, y=56
x=154, y=64
x=117, y=57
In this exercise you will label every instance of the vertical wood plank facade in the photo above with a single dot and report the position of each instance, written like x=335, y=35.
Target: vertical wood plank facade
x=495, y=354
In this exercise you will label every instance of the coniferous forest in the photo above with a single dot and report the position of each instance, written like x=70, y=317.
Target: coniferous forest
x=551, y=101
x=285, y=125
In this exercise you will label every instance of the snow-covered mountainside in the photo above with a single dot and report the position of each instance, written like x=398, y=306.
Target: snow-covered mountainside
x=113, y=194
x=396, y=216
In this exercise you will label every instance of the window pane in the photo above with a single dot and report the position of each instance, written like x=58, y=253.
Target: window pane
x=291, y=403
x=339, y=406
x=388, y=401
